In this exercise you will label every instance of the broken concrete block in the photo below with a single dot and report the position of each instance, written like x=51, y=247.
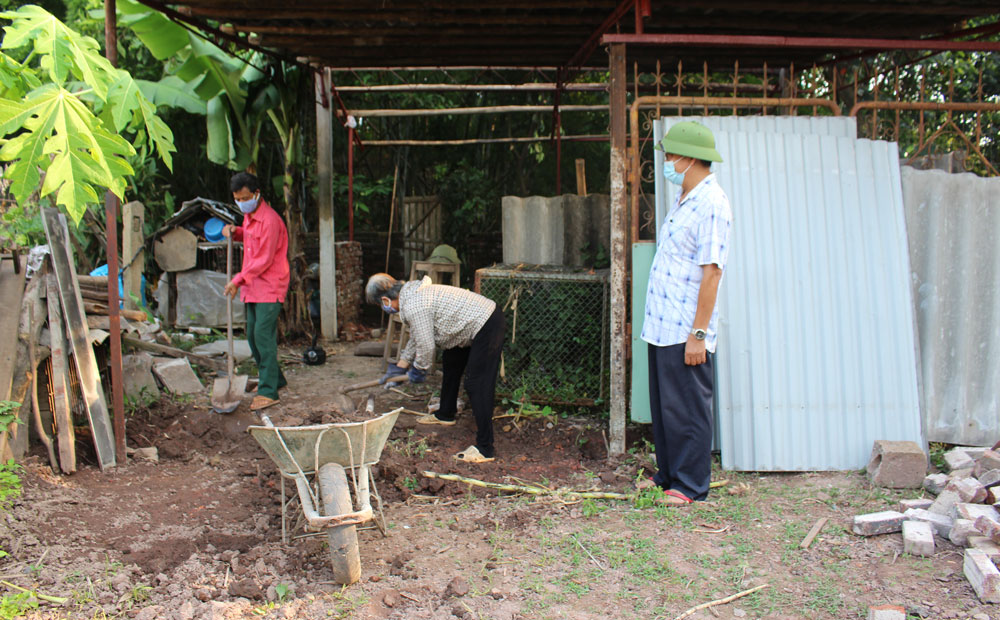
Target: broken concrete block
x=923, y=503
x=935, y=483
x=945, y=501
x=974, y=511
x=941, y=523
x=918, y=538
x=988, y=461
x=958, y=458
x=137, y=377
x=897, y=464
x=887, y=612
x=985, y=545
x=989, y=478
x=177, y=376
x=988, y=527
x=982, y=573
x=960, y=532
x=969, y=490
x=886, y=522
x=147, y=454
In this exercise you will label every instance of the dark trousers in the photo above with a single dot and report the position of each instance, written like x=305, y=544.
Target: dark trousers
x=680, y=399
x=480, y=362
x=262, y=334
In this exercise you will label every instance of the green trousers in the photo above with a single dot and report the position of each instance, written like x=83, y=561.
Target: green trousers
x=262, y=333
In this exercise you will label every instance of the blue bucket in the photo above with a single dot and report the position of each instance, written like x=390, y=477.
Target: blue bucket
x=213, y=229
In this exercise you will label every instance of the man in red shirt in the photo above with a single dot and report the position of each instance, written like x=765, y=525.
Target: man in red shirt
x=263, y=281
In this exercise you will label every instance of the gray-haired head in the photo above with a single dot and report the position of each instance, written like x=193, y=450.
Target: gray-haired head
x=382, y=285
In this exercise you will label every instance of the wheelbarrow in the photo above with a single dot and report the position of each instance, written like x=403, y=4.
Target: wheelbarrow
x=327, y=452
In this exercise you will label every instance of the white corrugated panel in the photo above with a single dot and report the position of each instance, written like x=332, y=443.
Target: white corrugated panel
x=817, y=355
x=825, y=125
x=952, y=222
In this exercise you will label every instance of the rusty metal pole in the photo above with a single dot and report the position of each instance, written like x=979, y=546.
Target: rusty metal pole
x=619, y=264
x=350, y=183
x=111, y=205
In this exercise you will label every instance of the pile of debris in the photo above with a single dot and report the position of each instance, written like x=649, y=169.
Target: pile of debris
x=964, y=511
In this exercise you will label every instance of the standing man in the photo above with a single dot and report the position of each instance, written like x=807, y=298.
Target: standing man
x=263, y=282
x=681, y=314
x=470, y=330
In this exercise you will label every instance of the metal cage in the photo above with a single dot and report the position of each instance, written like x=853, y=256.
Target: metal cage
x=557, y=325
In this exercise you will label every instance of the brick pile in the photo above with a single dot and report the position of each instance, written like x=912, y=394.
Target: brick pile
x=350, y=282
x=964, y=512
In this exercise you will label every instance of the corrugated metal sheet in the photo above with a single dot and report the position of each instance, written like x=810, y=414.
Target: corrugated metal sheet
x=952, y=222
x=817, y=355
x=846, y=126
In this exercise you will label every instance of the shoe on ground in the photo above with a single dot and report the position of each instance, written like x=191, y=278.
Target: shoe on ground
x=674, y=498
x=262, y=402
x=473, y=455
x=433, y=419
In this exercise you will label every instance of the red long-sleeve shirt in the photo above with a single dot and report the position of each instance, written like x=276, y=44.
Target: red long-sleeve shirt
x=264, y=277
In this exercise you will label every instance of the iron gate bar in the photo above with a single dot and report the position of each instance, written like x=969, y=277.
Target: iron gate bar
x=758, y=41
x=498, y=109
x=929, y=106
x=587, y=138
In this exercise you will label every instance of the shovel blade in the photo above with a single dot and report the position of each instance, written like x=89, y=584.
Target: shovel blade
x=228, y=392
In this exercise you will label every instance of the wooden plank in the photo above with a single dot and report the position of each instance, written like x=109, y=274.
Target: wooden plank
x=581, y=177
x=11, y=290
x=133, y=219
x=57, y=235
x=816, y=529
x=176, y=250
x=162, y=349
x=324, y=202
x=62, y=412
x=14, y=441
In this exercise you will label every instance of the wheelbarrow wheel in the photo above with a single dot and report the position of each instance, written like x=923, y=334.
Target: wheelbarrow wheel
x=336, y=496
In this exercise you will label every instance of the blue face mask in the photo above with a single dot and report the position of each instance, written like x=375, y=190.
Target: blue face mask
x=671, y=174
x=389, y=309
x=248, y=206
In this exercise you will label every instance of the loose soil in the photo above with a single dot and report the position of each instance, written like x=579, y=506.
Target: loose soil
x=198, y=533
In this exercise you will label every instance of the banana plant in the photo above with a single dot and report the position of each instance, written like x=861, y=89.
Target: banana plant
x=65, y=112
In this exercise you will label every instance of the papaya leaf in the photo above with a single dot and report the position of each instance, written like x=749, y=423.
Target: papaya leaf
x=172, y=92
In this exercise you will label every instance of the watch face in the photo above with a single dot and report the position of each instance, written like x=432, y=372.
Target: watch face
x=699, y=334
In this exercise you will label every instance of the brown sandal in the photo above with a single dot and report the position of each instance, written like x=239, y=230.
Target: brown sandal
x=262, y=402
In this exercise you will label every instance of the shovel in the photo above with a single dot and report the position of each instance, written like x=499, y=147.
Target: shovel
x=344, y=403
x=227, y=393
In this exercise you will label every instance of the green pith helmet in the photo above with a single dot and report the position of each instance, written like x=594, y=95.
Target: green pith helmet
x=690, y=139
x=444, y=253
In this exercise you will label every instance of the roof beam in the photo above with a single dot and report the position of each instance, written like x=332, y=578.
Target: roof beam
x=751, y=41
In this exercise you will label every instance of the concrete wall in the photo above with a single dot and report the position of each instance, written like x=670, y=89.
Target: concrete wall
x=555, y=230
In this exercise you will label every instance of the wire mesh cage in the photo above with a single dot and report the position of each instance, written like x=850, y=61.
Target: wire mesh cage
x=557, y=325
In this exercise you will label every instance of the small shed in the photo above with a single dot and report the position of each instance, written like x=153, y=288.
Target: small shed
x=193, y=264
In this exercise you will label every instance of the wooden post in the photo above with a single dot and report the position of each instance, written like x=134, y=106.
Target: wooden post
x=581, y=177
x=324, y=198
x=619, y=265
x=133, y=220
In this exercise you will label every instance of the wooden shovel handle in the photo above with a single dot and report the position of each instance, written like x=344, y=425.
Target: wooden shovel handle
x=373, y=383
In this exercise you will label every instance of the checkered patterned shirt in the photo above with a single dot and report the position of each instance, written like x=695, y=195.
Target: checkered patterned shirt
x=440, y=315
x=694, y=233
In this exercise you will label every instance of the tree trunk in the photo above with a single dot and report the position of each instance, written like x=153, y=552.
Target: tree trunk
x=295, y=315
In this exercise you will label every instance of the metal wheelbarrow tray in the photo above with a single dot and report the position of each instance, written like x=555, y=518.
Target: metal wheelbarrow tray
x=328, y=452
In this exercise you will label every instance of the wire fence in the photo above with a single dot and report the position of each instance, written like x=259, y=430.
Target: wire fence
x=557, y=326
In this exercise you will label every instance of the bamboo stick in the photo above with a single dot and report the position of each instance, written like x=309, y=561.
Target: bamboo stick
x=721, y=601
x=539, y=490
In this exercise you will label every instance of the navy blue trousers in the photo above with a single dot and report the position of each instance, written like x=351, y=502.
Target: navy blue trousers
x=680, y=399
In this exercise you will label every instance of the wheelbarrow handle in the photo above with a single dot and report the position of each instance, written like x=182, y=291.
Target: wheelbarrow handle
x=373, y=383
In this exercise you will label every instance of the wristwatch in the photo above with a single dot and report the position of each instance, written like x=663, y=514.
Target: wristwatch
x=699, y=334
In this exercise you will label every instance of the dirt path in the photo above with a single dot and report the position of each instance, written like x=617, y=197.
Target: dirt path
x=198, y=534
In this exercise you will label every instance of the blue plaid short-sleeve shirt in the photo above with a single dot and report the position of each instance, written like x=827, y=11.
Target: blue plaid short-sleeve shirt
x=694, y=233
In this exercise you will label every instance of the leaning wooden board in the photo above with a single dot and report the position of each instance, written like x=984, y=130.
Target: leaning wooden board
x=11, y=289
x=76, y=325
x=60, y=381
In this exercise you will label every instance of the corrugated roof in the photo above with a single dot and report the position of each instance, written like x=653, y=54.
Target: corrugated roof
x=952, y=221
x=550, y=32
x=817, y=356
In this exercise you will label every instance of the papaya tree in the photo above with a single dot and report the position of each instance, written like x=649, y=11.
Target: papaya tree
x=68, y=118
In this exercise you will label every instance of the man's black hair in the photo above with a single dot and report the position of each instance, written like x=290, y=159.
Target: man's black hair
x=241, y=180
x=704, y=162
